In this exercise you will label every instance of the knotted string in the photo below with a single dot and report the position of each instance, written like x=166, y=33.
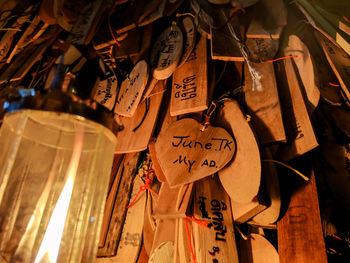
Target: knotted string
x=273, y=60
x=144, y=187
x=199, y=222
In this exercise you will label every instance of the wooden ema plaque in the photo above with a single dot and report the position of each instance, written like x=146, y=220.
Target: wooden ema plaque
x=211, y=203
x=166, y=52
x=301, y=226
x=106, y=92
x=340, y=63
x=189, y=91
x=257, y=249
x=138, y=129
x=187, y=154
x=241, y=178
x=305, y=67
x=190, y=36
x=131, y=90
x=300, y=134
x=264, y=105
x=131, y=237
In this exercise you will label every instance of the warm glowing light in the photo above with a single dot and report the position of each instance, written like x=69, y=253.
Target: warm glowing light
x=50, y=245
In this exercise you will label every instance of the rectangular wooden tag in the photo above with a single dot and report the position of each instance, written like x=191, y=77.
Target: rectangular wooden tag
x=138, y=128
x=264, y=105
x=301, y=226
x=212, y=203
x=339, y=60
x=300, y=134
x=173, y=202
x=114, y=227
x=190, y=83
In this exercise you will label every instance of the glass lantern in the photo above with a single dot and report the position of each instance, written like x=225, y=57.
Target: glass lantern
x=54, y=173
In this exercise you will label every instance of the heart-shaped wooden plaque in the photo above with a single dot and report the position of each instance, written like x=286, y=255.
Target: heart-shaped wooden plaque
x=187, y=154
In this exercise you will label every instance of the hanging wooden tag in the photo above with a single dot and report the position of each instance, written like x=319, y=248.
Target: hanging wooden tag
x=131, y=90
x=106, y=92
x=271, y=183
x=257, y=249
x=166, y=52
x=138, y=128
x=301, y=226
x=241, y=178
x=301, y=137
x=131, y=238
x=189, y=91
x=84, y=27
x=217, y=242
x=190, y=36
x=340, y=63
x=305, y=67
x=173, y=202
x=187, y=154
x=264, y=105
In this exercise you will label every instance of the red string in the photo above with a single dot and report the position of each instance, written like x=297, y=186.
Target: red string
x=281, y=58
x=337, y=237
x=144, y=187
x=334, y=85
x=199, y=222
x=111, y=29
x=346, y=19
x=44, y=69
x=207, y=119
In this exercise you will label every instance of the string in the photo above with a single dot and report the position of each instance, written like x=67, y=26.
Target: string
x=240, y=232
x=111, y=29
x=273, y=60
x=289, y=167
x=44, y=69
x=334, y=85
x=144, y=187
x=199, y=222
x=346, y=19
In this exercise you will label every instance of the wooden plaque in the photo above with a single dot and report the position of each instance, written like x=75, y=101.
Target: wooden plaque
x=106, y=92
x=305, y=67
x=189, y=91
x=211, y=203
x=138, y=129
x=241, y=178
x=190, y=35
x=131, y=90
x=131, y=237
x=264, y=105
x=166, y=52
x=187, y=154
x=301, y=137
x=243, y=212
x=340, y=63
x=301, y=226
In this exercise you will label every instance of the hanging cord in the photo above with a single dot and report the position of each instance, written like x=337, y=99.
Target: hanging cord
x=281, y=58
x=109, y=25
x=289, y=167
x=147, y=102
x=146, y=186
x=208, y=115
x=199, y=222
